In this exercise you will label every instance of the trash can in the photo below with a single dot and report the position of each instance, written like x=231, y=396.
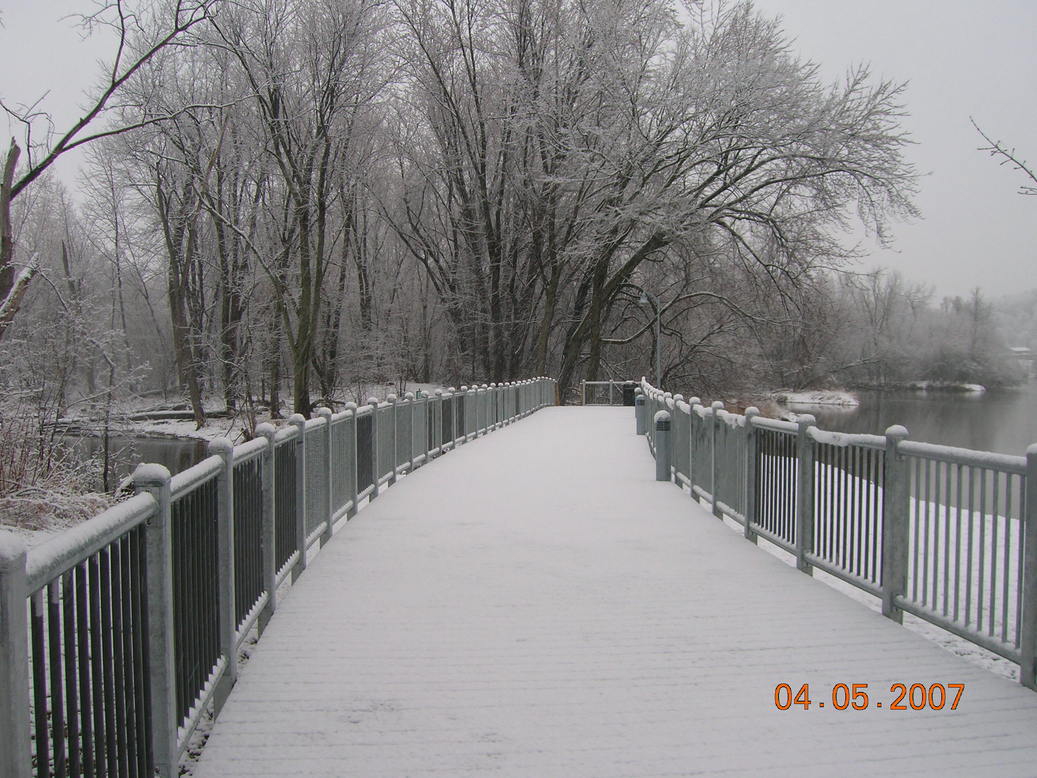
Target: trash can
x=628, y=392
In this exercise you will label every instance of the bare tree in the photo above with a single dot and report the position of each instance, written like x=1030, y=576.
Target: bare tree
x=142, y=31
x=1008, y=156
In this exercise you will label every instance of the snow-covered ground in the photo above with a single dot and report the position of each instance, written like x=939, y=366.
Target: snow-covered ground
x=817, y=397
x=536, y=604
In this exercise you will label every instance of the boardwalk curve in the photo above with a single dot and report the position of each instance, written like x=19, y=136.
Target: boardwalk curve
x=537, y=605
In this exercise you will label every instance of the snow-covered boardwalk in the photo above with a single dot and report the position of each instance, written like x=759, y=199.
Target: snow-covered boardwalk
x=535, y=604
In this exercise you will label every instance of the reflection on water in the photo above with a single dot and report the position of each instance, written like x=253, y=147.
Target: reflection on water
x=1004, y=421
x=177, y=454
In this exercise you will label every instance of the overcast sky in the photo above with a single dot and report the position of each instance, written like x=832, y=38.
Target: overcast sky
x=961, y=59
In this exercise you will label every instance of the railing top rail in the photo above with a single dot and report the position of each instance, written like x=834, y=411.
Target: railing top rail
x=189, y=479
x=844, y=439
x=1005, y=463
x=62, y=552
x=777, y=425
x=249, y=450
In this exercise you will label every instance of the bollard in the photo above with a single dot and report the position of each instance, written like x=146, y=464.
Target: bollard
x=662, y=446
x=639, y=414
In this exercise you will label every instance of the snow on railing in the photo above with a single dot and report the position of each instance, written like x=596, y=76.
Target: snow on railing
x=946, y=534
x=115, y=636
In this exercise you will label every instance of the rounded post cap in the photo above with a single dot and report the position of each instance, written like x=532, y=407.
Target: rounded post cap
x=661, y=417
x=439, y=393
x=451, y=389
x=898, y=431
x=150, y=474
x=694, y=401
x=221, y=446
x=266, y=430
x=408, y=396
x=391, y=398
x=12, y=549
x=751, y=411
x=372, y=401
x=1031, y=450
x=351, y=406
x=323, y=412
x=464, y=387
x=677, y=398
x=717, y=405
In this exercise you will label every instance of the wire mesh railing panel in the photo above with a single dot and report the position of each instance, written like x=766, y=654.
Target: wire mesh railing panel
x=88, y=666
x=404, y=431
x=365, y=464
x=730, y=453
x=316, y=479
x=447, y=419
x=386, y=440
x=603, y=392
x=421, y=440
x=343, y=455
x=848, y=486
x=196, y=596
x=470, y=413
x=776, y=483
x=457, y=416
x=701, y=465
x=681, y=443
x=286, y=512
x=248, y=536
x=966, y=545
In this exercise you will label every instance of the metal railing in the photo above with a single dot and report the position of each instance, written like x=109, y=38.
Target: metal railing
x=116, y=635
x=603, y=392
x=946, y=534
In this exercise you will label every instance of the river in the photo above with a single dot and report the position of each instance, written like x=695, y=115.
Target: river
x=177, y=454
x=1004, y=421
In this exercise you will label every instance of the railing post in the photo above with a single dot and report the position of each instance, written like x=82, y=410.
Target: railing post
x=351, y=471
x=15, y=756
x=639, y=414
x=714, y=465
x=1028, y=626
x=326, y=473
x=395, y=431
x=804, y=493
x=224, y=449
x=437, y=434
x=694, y=423
x=896, y=506
x=269, y=529
x=409, y=399
x=662, y=421
x=751, y=442
x=298, y=421
x=373, y=402
x=158, y=538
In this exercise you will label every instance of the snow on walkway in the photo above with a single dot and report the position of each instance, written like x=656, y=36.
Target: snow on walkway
x=535, y=604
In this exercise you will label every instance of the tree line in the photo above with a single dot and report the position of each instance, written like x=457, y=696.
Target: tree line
x=285, y=198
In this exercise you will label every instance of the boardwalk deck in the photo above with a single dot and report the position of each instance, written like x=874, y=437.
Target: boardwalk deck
x=537, y=605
